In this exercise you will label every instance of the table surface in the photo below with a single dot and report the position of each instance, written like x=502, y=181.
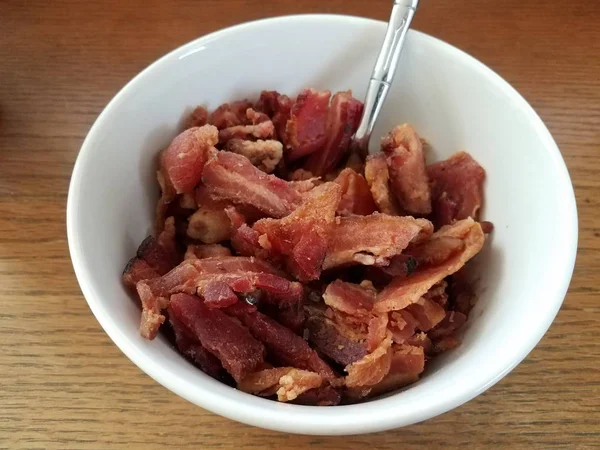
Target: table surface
x=64, y=384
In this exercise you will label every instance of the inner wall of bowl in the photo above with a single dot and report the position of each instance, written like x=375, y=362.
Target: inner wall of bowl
x=448, y=97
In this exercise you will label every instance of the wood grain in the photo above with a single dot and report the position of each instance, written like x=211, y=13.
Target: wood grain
x=64, y=385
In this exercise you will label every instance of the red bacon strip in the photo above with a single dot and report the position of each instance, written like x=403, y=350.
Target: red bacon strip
x=349, y=298
x=233, y=178
x=372, y=368
x=230, y=115
x=356, y=195
x=378, y=177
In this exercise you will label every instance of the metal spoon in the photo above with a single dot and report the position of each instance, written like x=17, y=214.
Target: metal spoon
x=384, y=70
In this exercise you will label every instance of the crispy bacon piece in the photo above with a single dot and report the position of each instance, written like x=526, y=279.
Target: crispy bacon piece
x=444, y=344
x=189, y=345
x=302, y=237
x=436, y=250
x=427, y=312
x=461, y=292
x=233, y=177
x=349, y=298
x=262, y=130
x=305, y=130
x=421, y=340
x=457, y=188
x=378, y=177
x=263, y=154
x=181, y=164
x=342, y=121
x=377, y=330
x=218, y=294
x=229, y=341
x=407, y=363
x=197, y=118
x=407, y=290
x=137, y=270
x=230, y=115
x=372, y=368
x=206, y=251
x=278, y=108
x=408, y=175
x=356, y=195
x=287, y=382
x=209, y=225
x=282, y=344
x=402, y=325
x=321, y=396
x=291, y=316
x=372, y=240
x=453, y=320
x=160, y=254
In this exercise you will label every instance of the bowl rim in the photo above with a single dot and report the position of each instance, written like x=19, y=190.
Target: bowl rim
x=346, y=419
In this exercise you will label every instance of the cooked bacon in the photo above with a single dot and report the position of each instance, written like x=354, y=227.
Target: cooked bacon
x=305, y=130
x=218, y=294
x=263, y=154
x=282, y=344
x=197, y=118
x=438, y=293
x=302, y=237
x=278, y=108
x=160, y=254
x=408, y=176
x=256, y=117
x=209, y=225
x=230, y=115
x=407, y=363
x=267, y=102
x=400, y=265
x=420, y=340
x=262, y=130
x=372, y=240
x=457, y=188
x=444, y=344
x=263, y=381
x=407, y=290
x=229, y=341
x=189, y=345
x=377, y=331
x=233, y=178
x=137, y=270
x=187, y=200
x=356, y=196
x=287, y=382
x=321, y=396
x=402, y=325
x=291, y=316
x=427, y=312
x=206, y=251
x=305, y=186
x=461, y=292
x=342, y=121
x=453, y=320
x=436, y=250
x=301, y=175
x=378, y=176
x=349, y=298
x=182, y=162
x=372, y=368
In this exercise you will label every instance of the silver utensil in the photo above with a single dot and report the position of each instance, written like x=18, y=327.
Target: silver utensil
x=384, y=70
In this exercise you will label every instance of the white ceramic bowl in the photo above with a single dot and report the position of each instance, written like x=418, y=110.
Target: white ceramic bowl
x=453, y=100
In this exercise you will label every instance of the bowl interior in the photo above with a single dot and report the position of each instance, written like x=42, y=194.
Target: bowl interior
x=452, y=100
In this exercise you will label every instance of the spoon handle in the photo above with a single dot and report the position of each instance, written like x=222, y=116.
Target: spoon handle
x=384, y=70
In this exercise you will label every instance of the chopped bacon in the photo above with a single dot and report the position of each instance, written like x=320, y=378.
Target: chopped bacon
x=321, y=396
x=356, y=195
x=230, y=115
x=229, y=341
x=408, y=176
x=407, y=363
x=302, y=236
x=461, y=292
x=187, y=200
x=438, y=294
x=349, y=298
x=206, y=251
x=436, y=250
x=209, y=225
x=372, y=368
x=197, y=118
x=287, y=382
x=291, y=316
x=402, y=325
x=183, y=161
x=406, y=290
x=377, y=331
x=453, y=320
x=267, y=102
x=263, y=381
x=372, y=240
x=263, y=154
x=342, y=121
x=400, y=265
x=262, y=130
x=278, y=108
x=305, y=130
x=189, y=345
x=160, y=254
x=427, y=312
x=457, y=188
x=283, y=345
x=137, y=270
x=233, y=177
x=218, y=294
x=444, y=344
x=378, y=176
x=421, y=340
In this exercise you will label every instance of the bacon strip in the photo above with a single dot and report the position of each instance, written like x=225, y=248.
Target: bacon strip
x=356, y=195
x=372, y=368
x=181, y=164
x=407, y=363
x=407, y=290
x=342, y=121
x=349, y=298
x=408, y=176
x=305, y=129
x=378, y=176
x=235, y=347
x=233, y=177
x=262, y=130
x=230, y=115
x=372, y=240
x=137, y=270
x=302, y=237
x=457, y=188
x=287, y=382
x=263, y=154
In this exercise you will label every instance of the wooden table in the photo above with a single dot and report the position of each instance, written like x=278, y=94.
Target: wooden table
x=65, y=385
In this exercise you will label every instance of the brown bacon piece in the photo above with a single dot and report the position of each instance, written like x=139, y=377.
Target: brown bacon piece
x=457, y=188
x=349, y=298
x=407, y=290
x=206, y=251
x=305, y=130
x=453, y=320
x=233, y=177
x=372, y=240
x=356, y=195
x=160, y=254
x=378, y=176
x=137, y=270
x=407, y=363
x=263, y=154
x=262, y=130
x=181, y=164
x=278, y=108
x=427, y=312
x=197, y=118
x=321, y=396
x=342, y=122
x=408, y=175
x=287, y=382
x=230, y=115
x=218, y=294
x=229, y=341
x=372, y=368
x=302, y=237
